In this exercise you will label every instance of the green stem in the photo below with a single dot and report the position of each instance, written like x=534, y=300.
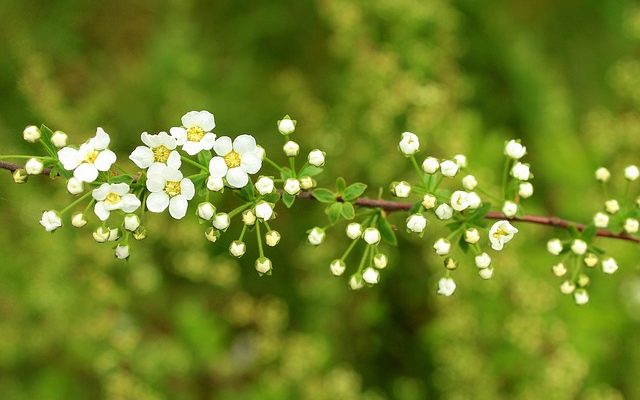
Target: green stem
x=348, y=250
x=418, y=169
x=273, y=164
x=363, y=259
x=20, y=156
x=292, y=165
x=195, y=164
x=75, y=203
x=240, y=209
x=505, y=177
x=259, y=237
x=244, y=230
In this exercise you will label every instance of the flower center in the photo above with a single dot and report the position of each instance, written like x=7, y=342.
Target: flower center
x=232, y=159
x=499, y=233
x=113, y=198
x=161, y=154
x=195, y=134
x=172, y=188
x=91, y=156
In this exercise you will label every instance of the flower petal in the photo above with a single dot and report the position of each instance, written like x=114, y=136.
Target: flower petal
x=101, y=140
x=172, y=174
x=101, y=192
x=223, y=145
x=250, y=162
x=174, y=160
x=207, y=141
x=149, y=140
x=120, y=188
x=164, y=139
x=244, y=143
x=237, y=178
x=180, y=134
x=130, y=203
x=178, y=206
x=86, y=172
x=100, y=211
x=70, y=158
x=142, y=156
x=105, y=160
x=158, y=202
x=156, y=183
x=206, y=121
x=192, y=148
x=190, y=119
x=187, y=188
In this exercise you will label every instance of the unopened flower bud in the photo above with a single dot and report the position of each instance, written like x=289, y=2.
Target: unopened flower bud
x=485, y=273
x=449, y=168
x=371, y=275
x=221, y=221
x=483, y=260
x=442, y=247
x=59, y=139
x=272, y=238
x=444, y=211
x=286, y=125
x=416, y=223
x=525, y=190
x=140, y=233
x=430, y=165
x=34, y=166
x=264, y=211
x=248, y=217
x=409, y=144
x=579, y=247
x=263, y=265
x=471, y=236
x=583, y=280
x=554, y=246
x=429, y=201
x=75, y=186
x=380, y=261
x=131, y=222
x=237, y=248
x=469, y=182
x=612, y=206
x=446, y=287
x=601, y=220
x=631, y=173
x=514, y=149
x=450, y=263
x=114, y=234
x=559, y=269
x=206, y=210
x=401, y=189
x=581, y=297
x=122, y=252
x=474, y=200
x=292, y=186
x=307, y=182
x=337, y=267
x=460, y=160
x=264, y=185
x=590, y=260
x=372, y=236
x=212, y=234
x=101, y=235
x=603, y=174
x=78, y=220
x=51, y=220
x=20, y=176
x=459, y=200
x=509, y=209
x=31, y=134
x=316, y=236
x=354, y=230
x=631, y=225
x=291, y=148
x=316, y=158
x=356, y=282
x=567, y=287
x=215, y=184
x=609, y=266
x=521, y=171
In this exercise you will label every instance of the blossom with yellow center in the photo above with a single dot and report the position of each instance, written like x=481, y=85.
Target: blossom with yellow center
x=235, y=160
x=500, y=233
x=90, y=159
x=195, y=133
x=159, y=150
x=169, y=189
x=111, y=197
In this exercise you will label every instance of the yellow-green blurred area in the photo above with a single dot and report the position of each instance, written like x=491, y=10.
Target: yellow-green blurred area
x=183, y=320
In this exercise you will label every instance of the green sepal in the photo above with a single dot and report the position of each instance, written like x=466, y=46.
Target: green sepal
x=333, y=212
x=354, y=191
x=348, y=212
x=324, y=195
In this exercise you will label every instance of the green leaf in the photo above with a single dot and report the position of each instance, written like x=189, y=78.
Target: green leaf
x=247, y=192
x=271, y=197
x=463, y=244
x=309, y=170
x=324, y=195
x=416, y=207
x=340, y=185
x=386, y=231
x=348, y=212
x=288, y=199
x=354, y=191
x=573, y=231
x=480, y=213
x=121, y=179
x=333, y=212
x=285, y=173
x=589, y=233
x=45, y=135
x=204, y=157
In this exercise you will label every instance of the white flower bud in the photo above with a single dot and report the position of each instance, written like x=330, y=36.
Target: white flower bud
x=554, y=246
x=609, y=265
x=525, y=190
x=272, y=238
x=51, y=220
x=263, y=265
x=581, y=297
x=459, y=200
x=521, y=171
x=469, y=182
x=590, y=260
x=131, y=222
x=78, y=220
x=122, y=252
x=292, y=186
x=264, y=185
x=212, y=235
x=401, y=189
x=380, y=261
x=237, y=248
x=286, y=125
x=471, y=236
x=601, y=220
x=430, y=165
x=409, y=144
x=559, y=270
x=215, y=184
x=429, y=201
x=221, y=221
x=583, y=280
x=461, y=160
x=446, y=286
x=291, y=148
x=631, y=225
x=603, y=174
x=356, y=282
x=442, y=247
x=567, y=287
x=483, y=260
x=474, y=200
x=260, y=152
x=372, y=236
x=579, y=247
x=316, y=158
x=264, y=211
x=206, y=211
x=114, y=234
x=509, y=209
x=307, y=182
x=31, y=134
x=337, y=267
x=101, y=235
x=316, y=236
x=448, y=168
x=485, y=273
x=631, y=173
x=416, y=223
x=612, y=206
x=34, y=166
x=514, y=149
x=354, y=230
x=248, y=217
x=444, y=211
x=59, y=139
x=75, y=186
x=371, y=276
x=20, y=176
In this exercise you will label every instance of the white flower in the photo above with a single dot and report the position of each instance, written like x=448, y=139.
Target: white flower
x=160, y=149
x=609, y=265
x=215, y=184
x=631, y=225
x=34, y=166
x=483, y=260
x=286, y=125
x=122, y=252
x=264, y=210
x=603, y=174
x=448, y=168
x=469, y=182
x=337, y=267
x=472, y=236
x=91, y=158
x=554, y=246
x=195, y=133
x=59, y=139
x=31, y=134
x=112, y=197
x=485, y=273
x=521, y=171
x=525, y=190
x=461, y=160
x=501, y=233
x=444, y=211
x=114, y=234
x=559, y=269
x=356, y=282
x=292, y=186
x=221, y=221
x=567, y=287
x=354, y=230
x=442, y=247
x=590, y=260
x=248, y=217
x=206, y=210
x=514, y=149
x=429, y=201
x=612, y=206
x=170, y=189
x=430, y=165
x=631, y=172
x=579, y=247
x=316, y=236
x=235, y=161
x=75, y=186
x=409, y=144
x=51, y=220
x=401, y=189
x=446, y=286
x=316, y=158
x=78, y=220
x=272, y=238
x=509, y=209
x=474, y=200
x=459, y=200
x=581, y=297
x=416, y=223
x=372, y=236
x=237, y=248
x=380, y=261
x=263, y=265
x=264, y=185
x=291, y=148
x=371, y=276
x=131, y=222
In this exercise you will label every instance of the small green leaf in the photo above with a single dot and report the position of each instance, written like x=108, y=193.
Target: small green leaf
x=285, y=173
x=348, y=212
x=386, y=231
x=271, y=197
x=463, y=244
x=573, y=232
x=324, y=195
x=247, y=192
x=354, y=191
x=589, y=233
x=204, y=157
x=310, y=170
x=416, y=207
x=340, y=185
x=45, y=135
x=288, y=199
x=121, y=179
x=333, y=212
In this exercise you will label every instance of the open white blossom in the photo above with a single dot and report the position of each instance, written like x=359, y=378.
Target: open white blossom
x=409, y=144
x=514, y=149
x=169, y=188
x=501, y=233
x=195, y=133
x=112, y=197
x=446, y=286
x=159, y=149
x=90, y=159
x=51, y=220
x=235, y=160
x=459, y=200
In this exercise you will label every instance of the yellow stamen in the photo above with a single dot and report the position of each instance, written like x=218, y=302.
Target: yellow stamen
x=113, y=198
x=161, y=154
x=172, y=188
x=232, y=159
x=91, y=157
x=195, y=134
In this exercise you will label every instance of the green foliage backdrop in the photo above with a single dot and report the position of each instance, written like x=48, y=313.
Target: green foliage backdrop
x=182, y=320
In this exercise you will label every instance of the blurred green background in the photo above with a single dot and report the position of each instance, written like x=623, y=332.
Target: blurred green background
x=182, y=320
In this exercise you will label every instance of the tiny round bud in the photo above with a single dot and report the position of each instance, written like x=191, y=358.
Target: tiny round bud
x=316, y=236
x=51, y=220
x=372, y=236
x=450, y=263
x=509, y=209
x=78, y=220
x=31, y=134
x=337, y=267
x=429, y=201
x=140, y=233
x=20, y=176
x=292, y=186
x=263, y=265
x=59, y=139
x=380, y=261
x=248, y=217
x=567, y=287
x=260, y=152
x=356, y=282
x=469, y=182
x=559, y=269
x=631, y=225
x=514, y=149
x=371, y=276
x=448, y=168
x=291, y=148
x=609, y=266
x=316, y=158
x=442, y=247
x=471, y=236
x=579, y=247
x=525, y=190
x=131, y=222
x=603, y=174
x=264, y=185
x=430, y=165
x=483, y=260
x=554, y=246
x=474, y=200
x=581, y=297
x=75, y=186
x=409, y=144
x=272, y=238
x=354, y=230
x=206, y=211
x=212, y=235
x=401, y=189
x=101, y=235
x=264, y=211
x=444, y=211
x=612, y=206
x=286, y=125
x=237, y=248
x=459, y=200
x=307, y=182
x=221, y=221
x=601, y=220
x=34, y=166
x=485, y=273
x=114, y=234
x=631, y=173
x=416, y=223
x=446, y=287
x=122, y=252
x=215, y=184
x=590, y=260
x=461, y=160
x=583, y=280
x=521, y=171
